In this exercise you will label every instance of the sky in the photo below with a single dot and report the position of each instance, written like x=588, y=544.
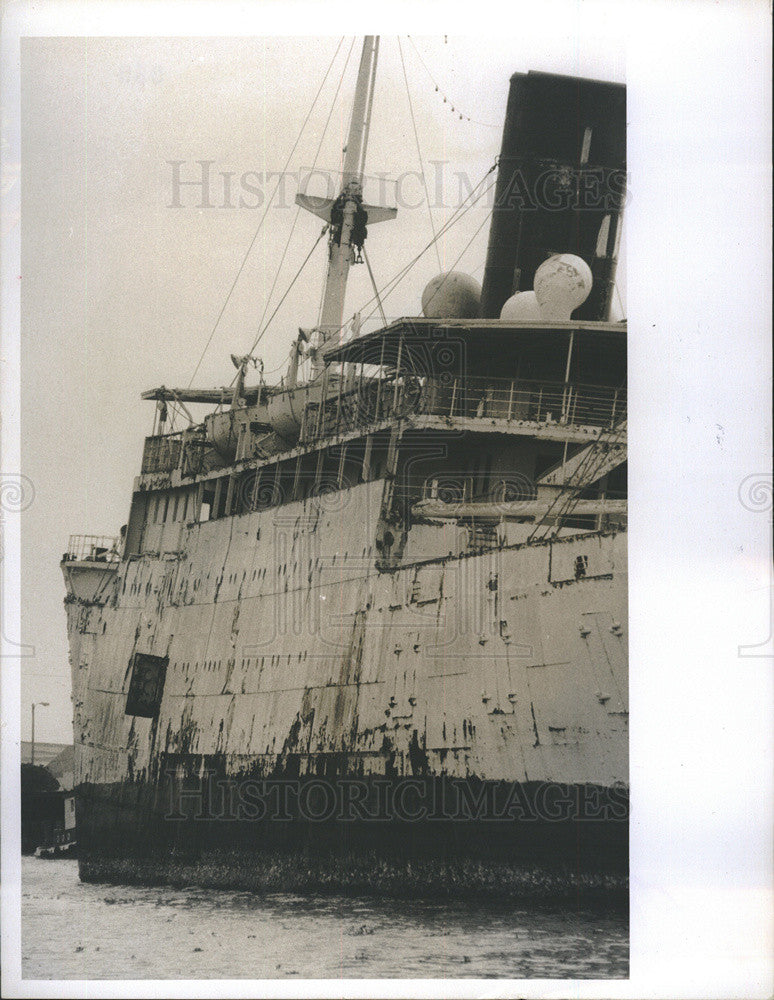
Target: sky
x=125, y=271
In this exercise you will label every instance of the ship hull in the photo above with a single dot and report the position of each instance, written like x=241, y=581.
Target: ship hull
x=496, y=679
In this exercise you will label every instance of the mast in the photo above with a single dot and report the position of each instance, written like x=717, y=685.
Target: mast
x=347, y=214
x=350, y=200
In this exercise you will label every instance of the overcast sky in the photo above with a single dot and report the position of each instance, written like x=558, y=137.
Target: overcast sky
x=122, y=287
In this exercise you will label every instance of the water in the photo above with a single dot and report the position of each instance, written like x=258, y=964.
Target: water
x=75, y=931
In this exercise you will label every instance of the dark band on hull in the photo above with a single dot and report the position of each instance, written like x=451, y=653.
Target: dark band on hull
x=427, y=836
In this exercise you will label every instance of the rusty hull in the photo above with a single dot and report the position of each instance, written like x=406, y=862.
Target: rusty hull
x=290, y=653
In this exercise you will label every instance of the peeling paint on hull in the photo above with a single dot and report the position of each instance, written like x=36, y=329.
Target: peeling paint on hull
x=290, y=654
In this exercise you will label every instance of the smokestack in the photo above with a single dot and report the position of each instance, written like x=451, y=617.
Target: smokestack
x=561, y=184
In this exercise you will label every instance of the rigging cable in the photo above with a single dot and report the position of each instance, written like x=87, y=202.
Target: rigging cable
x=266, y=210
x=458, y=213
x=620, y=300
x=298, y=209
x=446, y=100
x=584, y=475
x=373, y=284
x=287, y=291
x=456, y=262
x=467, y=247
x=419, y=154
x=396, y=280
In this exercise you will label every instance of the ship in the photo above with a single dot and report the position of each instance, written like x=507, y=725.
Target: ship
x=367, y=626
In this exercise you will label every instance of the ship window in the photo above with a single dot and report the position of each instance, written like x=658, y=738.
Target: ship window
x=174, y=509
x=156, y=510
x=146, y=686
x=222, y=496
x=166, y=509
x=205, y=509
x=581, y=566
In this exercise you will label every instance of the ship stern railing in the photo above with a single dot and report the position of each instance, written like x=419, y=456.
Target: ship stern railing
x=92, y=548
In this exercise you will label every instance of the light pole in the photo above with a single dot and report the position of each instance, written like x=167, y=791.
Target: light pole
x=32, y=754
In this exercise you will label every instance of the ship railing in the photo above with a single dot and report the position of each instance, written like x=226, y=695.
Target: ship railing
x=373, y=400
x=527, y=400
x=92, y=548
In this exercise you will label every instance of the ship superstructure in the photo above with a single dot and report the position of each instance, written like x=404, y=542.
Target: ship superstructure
x=404, y=571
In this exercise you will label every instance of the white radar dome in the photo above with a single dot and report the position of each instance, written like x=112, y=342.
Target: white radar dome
x=452, y=295
x=562, y=283
x=522, y=306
